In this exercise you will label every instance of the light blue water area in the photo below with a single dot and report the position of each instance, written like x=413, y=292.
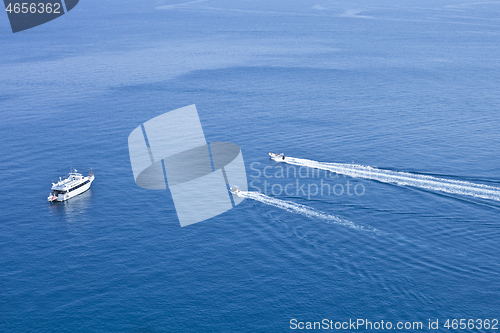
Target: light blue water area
x=411, y=88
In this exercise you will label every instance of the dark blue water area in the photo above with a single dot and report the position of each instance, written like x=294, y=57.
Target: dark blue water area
x=410, y=88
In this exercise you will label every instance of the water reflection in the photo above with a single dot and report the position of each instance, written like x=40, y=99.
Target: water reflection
x=74, y=209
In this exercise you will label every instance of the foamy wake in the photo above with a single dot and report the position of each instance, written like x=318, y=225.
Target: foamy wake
x=299, y=209
x=403, y=178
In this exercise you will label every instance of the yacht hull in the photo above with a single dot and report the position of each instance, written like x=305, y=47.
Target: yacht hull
x=69, y=195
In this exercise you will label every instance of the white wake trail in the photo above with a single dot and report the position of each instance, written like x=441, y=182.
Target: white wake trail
x=298, y=208
x=403, y=178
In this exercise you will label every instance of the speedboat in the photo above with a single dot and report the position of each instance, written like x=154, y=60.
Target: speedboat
x=234, y=189
x=67, y=188
x=277, y=157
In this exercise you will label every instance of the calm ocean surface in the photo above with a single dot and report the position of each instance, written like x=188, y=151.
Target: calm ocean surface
x=412, y=87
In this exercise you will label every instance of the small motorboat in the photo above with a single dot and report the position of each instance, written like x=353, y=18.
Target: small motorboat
x=234, y=189
x=51, y=197
x=277, y=157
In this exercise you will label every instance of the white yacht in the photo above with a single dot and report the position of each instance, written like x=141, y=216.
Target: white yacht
x=72, y=186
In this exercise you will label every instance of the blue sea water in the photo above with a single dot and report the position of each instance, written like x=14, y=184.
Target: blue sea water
x=409, y=87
